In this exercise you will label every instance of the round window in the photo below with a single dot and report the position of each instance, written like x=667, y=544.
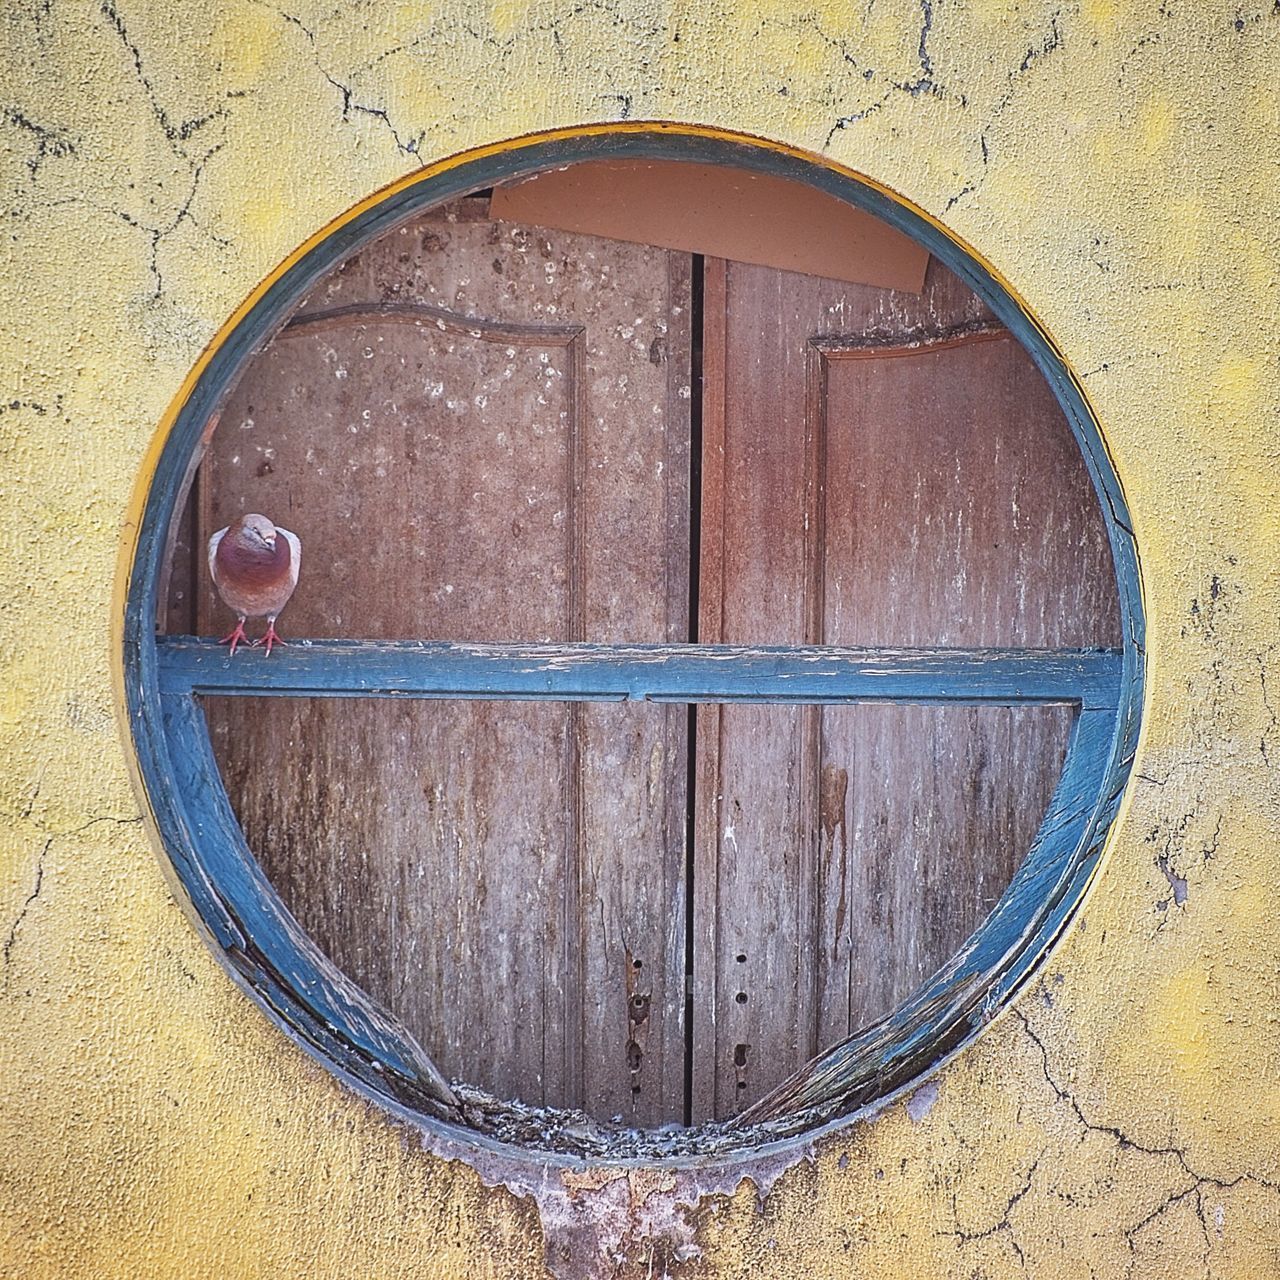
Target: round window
x=714, y=660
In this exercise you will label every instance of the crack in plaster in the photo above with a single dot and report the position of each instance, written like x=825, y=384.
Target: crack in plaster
x=1198, y=1180
x=964, y=1236
x=1131, y=1233
x=349, y=104
x=22, y=912
x=1168, y=777
x=1273, y=715
x=50, y=142
x=1050, y=42
x=50, y=835
x=412, y=147
x=1172, y=858
x=60, y=833
x=924, y=85
x=178, y=136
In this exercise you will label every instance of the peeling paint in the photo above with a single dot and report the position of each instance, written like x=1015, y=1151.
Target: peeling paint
x=920, y=1103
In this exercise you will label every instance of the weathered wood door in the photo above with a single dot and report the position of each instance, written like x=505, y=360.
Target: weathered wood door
x=482, y=432
x=880, y=469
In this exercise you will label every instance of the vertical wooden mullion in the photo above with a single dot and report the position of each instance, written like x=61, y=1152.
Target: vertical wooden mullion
x=678, y=497
x=809, y=921
x=705, y=887
x=572, y=1017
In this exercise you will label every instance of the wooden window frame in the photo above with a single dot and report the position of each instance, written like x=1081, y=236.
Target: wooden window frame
x=279, y=966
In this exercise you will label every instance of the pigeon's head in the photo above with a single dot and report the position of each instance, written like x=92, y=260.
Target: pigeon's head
x=256, y=532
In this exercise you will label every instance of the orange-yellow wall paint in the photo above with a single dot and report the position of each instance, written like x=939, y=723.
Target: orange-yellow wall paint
x=1115, y=163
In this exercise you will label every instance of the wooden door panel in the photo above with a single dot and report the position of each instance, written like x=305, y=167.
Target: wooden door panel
x=879, y=469
x=924, y=815
x=504, y=933
x=480, y=432
x=427, y=467
x=424, y=846
x=752, y=1006
x=850, y=850
x=631, y=907
x=956, y=509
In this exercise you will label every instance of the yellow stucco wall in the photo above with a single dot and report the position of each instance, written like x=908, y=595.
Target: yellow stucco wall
x=1119, y=163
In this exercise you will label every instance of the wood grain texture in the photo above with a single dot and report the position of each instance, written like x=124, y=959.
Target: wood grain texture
x=467, y=425
x=878, y=470
x=268, y=949
x=890, y=470
x=957, y=999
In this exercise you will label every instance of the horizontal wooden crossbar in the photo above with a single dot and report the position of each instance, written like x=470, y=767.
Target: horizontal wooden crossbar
x=1088, y=678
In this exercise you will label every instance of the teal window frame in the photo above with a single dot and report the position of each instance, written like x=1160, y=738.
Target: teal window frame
x=279, y=966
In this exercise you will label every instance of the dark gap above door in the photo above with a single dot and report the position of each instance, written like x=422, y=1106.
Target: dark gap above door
x=696, y=323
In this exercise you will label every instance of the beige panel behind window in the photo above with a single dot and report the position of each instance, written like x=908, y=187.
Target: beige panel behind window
x=723, y=213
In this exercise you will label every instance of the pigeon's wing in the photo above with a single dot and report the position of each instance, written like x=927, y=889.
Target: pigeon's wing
x=213, y=553
x=295, y=553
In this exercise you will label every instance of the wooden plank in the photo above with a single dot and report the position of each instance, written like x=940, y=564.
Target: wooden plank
x=958, y=508
x=957, y=999
x=758, y=581
x=631, y=882
x=654, y=673
x=981, y=529
x=896, y=473
x=437, y=789
x=451, y=425
x=274, y=952
x=706, y=973
x=927, y=813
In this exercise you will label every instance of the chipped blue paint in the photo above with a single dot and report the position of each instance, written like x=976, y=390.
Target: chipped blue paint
x=1089, y=678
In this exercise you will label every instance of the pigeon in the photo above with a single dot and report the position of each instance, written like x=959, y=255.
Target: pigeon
x=254, y=565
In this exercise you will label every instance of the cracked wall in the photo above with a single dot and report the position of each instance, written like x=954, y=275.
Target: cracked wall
x=1116, y=163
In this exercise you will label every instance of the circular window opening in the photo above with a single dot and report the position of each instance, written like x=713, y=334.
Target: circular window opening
x=712, y=672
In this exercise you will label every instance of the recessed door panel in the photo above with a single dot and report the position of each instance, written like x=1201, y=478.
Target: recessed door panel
x=885, y=470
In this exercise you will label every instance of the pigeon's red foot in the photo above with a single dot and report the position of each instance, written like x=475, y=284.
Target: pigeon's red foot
x=269, y=638
x=234, y=638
